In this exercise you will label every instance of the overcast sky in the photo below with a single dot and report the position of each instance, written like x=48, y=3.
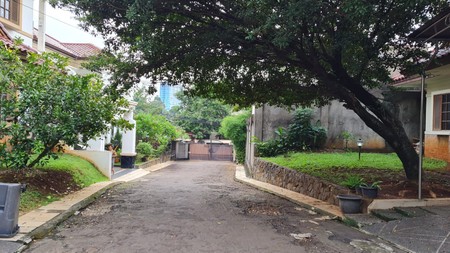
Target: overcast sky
x=63, y=26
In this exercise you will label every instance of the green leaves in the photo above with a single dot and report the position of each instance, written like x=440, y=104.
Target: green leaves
x=155, y=133
x=234, y=128
x=45, y=107
x=200, y=116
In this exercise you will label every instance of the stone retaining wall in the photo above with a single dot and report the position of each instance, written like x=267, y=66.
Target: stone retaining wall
x=162, y=159
x=296, y=181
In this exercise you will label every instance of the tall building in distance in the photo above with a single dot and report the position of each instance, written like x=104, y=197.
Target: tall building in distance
x=167, y=95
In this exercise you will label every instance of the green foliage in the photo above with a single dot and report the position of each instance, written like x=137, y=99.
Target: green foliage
x=156, y=131
x=43, y=107
x=155, y=107
x=83, y=172
x=116, y=140
x=262, y=51
x=375, y=185
x=145, y=149
x=234, y=127
x=352, y=181
x=347, y=136
x=300, y=135
x=320, y=164
x=199, y=116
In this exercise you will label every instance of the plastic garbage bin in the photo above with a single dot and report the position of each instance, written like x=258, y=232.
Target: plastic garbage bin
x=9, y=209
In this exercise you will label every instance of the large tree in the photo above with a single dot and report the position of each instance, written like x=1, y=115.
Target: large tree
x=284, y=52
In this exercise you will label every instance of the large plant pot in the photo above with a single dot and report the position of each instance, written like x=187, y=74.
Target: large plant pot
x=350, y=203
x=369, y=192
x=358, y=190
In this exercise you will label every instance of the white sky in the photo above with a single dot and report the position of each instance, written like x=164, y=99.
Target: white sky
x=63, y=26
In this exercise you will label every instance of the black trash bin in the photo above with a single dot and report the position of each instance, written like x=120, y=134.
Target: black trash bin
x=9, y=209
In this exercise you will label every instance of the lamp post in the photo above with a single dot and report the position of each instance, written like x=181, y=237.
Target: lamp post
x=359, y=142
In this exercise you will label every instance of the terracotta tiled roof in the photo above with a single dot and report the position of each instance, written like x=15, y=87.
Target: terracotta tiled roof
x=8, y=40
x=399, y=78
x=83, y=49
x=75, y=50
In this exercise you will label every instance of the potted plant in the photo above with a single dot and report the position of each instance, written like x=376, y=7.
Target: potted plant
x=353, y=182
x=370, y=190
x=350, y=203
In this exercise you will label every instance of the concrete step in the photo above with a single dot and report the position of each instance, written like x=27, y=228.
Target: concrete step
x=361, y=219
x=413, y=211
x=388, y=215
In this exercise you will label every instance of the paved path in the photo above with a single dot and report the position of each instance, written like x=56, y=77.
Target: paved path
x=427, y=229
x=197, y=207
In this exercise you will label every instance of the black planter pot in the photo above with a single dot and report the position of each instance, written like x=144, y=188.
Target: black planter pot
x=350, y=203
x=358, y=190
x=369, y=192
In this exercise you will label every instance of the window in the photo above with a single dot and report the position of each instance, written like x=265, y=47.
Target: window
x=441, y=112
x=9, y=9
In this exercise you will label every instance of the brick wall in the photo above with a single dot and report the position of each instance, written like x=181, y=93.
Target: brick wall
x=437, y=146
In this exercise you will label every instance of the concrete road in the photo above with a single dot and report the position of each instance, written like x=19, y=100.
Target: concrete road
x=196, y=206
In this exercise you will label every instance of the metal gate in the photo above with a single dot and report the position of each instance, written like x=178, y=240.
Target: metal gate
x=214, y=151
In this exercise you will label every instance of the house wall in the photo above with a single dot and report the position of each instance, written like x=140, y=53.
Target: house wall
x=25, y=31
x=436, y=142
x=335, y=118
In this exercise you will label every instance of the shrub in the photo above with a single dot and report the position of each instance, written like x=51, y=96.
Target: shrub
x=145, y=149
x=234, y=127
x=300, y=135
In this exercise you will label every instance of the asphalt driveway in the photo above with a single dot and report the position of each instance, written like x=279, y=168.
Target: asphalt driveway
x=196, y=206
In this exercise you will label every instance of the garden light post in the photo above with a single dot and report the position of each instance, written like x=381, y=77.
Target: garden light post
x=359, y=143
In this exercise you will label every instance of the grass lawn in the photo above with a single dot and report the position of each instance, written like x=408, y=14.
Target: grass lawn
x=336, y=167
x=83, y=172
x=50, y=182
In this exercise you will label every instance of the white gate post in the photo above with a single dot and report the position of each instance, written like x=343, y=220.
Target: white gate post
x=128, y=154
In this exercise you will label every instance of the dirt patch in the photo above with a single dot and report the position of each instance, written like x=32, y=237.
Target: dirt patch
x=47, y=182
x=394, y=185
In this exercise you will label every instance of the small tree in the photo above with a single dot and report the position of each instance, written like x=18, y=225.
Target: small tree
x=43, y=107
x=155, y=130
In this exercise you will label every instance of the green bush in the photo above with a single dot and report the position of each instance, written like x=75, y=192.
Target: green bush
x=145, y=149
x=234, y=127
x=300, y=135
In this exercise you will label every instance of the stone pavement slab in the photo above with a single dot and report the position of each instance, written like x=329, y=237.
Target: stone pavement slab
x=423, y=234
x=8, y=247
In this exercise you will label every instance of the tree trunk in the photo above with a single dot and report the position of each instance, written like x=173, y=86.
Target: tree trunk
x=42, y=154
x=383, y=122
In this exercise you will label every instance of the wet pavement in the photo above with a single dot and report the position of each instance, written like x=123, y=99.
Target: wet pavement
x=421, y=230
x=196, y=206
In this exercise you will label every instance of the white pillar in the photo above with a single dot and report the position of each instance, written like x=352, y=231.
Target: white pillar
x=41, y=26
x=128, y=153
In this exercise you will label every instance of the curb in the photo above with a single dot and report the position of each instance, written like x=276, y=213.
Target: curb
x=284, y=193
x=43, y=230
x=298, y=198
